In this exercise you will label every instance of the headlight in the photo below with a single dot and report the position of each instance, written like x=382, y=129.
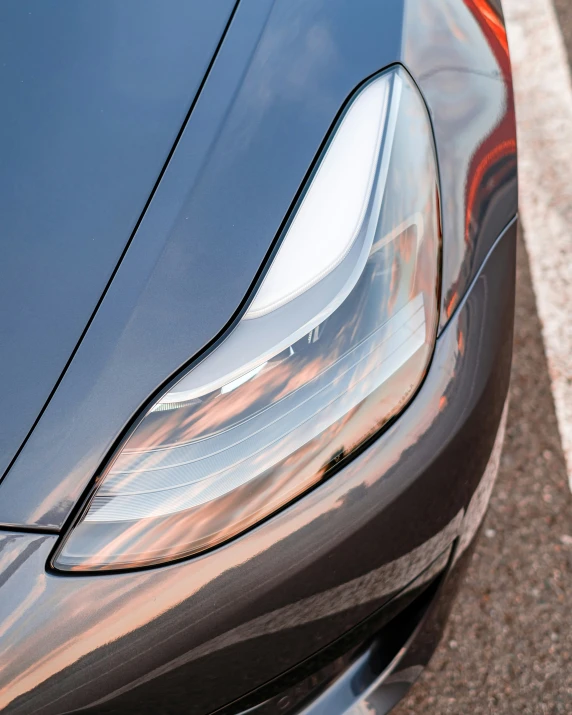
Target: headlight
x=334, y=344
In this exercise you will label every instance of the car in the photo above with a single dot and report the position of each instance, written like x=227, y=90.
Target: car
x=256, y=306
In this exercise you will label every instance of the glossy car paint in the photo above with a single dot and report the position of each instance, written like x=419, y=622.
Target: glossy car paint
x=195, y=635
x=465, y=75
x=278, y=82
x=373, y=677
x=198, y=634
x=93, y=97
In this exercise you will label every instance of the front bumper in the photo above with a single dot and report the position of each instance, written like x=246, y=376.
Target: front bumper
x=377, y=662
x=200, y=634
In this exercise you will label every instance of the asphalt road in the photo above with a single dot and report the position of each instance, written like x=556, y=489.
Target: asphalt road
x=508, y=645
x=564, y=13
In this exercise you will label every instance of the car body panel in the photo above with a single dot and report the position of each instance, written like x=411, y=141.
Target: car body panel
x=458, y=53
x=93, y=97
x=278, y=82
x=194, y=635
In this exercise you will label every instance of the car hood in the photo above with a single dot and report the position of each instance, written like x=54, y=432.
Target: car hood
x=93, y=97
x=280, y=77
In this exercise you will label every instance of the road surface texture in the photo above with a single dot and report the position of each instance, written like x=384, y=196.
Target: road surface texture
x=508, y=645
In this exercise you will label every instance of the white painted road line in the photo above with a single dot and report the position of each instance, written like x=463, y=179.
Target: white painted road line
x=543, y=91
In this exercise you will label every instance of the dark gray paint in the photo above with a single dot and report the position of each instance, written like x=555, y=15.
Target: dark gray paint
x=194, y=635
x=458, y=54
x=283, y=73
x=93, y=96
x=159, y=639
x=346, y=673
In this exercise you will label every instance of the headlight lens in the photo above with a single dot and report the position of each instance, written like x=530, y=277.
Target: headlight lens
x=334, y=344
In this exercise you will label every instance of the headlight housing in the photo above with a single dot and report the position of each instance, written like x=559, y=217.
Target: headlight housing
x=334, y=344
